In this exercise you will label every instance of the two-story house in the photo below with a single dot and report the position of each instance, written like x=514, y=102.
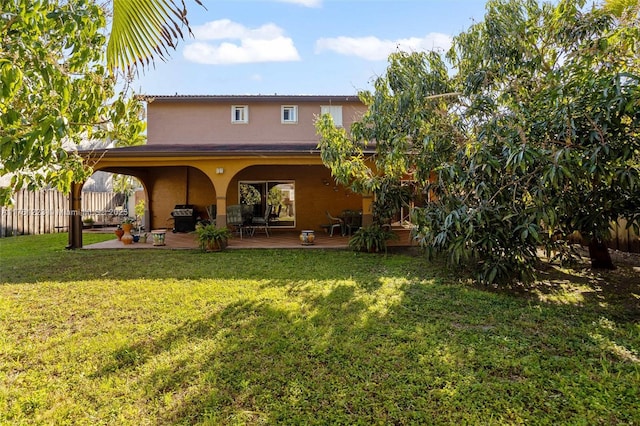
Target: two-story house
x=224, y=150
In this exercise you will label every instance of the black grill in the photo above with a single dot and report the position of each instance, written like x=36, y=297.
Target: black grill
x=184, y=218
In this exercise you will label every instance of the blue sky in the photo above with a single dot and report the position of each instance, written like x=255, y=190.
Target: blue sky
x=301, y=47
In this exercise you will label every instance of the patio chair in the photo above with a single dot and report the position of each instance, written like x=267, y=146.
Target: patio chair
x=352, y=221
x=235, y=221
x=212, y=210
x=334, y=222
x=247, y=212
x=262, y=222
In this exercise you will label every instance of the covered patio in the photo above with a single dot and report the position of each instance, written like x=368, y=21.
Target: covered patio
x=210, y=178
x=278, y=239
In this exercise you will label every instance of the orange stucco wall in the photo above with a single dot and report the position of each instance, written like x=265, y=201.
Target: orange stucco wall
x=169, y=181
x=175, y=122
x=177, y=185
x=313, y=197
x=169, y=186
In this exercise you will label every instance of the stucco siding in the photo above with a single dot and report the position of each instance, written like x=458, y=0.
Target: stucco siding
x=210, y=122
x=177, y=185
x=313, y=197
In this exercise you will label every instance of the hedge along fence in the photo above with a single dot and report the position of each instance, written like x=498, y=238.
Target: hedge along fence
x=47, y=211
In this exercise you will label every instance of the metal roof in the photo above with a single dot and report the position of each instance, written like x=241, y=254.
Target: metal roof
x=250, y=98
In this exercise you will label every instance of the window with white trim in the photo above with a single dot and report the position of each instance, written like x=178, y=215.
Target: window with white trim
x=289, y=114
x=335, y=111
x=239, y=114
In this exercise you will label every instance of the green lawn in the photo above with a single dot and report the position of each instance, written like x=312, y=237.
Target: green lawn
x=305, y=337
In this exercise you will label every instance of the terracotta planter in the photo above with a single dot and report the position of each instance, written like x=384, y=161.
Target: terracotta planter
x=119, y=233
x=215, y=245
x=127, y=238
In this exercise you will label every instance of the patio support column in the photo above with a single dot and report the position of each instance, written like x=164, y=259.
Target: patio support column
x=220, y=175
x=221, y=208
x=147, y=218
x=367, y=212
x=75, y=216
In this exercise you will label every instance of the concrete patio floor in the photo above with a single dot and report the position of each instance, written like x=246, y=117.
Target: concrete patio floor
x=278, y=239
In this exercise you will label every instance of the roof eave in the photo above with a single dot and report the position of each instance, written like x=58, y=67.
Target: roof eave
x=250, y=98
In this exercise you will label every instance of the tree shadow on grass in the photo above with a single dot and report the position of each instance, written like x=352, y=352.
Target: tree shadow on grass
x=336, y=346
x=434, y=354
x=613, y=293
x=264, y=264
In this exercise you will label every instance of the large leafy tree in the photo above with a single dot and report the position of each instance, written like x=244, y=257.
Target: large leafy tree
x=535, y=134
x=409, y=123
x=621, y=7
x=553, y=95
x=61, y=81
x=55, y=91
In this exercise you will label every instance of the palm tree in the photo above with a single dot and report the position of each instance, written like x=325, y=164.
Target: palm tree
x=143, y=30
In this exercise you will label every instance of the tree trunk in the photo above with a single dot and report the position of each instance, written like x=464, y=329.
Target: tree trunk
x=599, y=254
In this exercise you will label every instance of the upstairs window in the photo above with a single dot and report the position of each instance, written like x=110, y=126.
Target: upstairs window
x=334, y=111
x=289, y=114
x=239, y=114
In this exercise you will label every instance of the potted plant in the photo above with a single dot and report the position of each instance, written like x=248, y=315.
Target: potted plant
x=119, y=232
x=372, y=238
x=88, y=222
x=139, y=210
x=211, y=238
x=127, y=225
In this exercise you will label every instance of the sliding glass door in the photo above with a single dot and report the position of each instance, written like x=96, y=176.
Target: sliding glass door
x=277, y=196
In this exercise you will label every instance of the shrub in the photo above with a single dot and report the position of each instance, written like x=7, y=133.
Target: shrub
x=372, y=239
x=212, y=238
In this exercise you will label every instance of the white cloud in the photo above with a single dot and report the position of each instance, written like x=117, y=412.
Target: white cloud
x=306, y=3
x=263, y=44
x=375, y=49
x=225, y=28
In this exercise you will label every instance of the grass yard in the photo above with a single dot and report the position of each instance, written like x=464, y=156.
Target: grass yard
x=306, y=337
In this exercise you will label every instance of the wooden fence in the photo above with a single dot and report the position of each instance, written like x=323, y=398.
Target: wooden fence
x=47, y=211
x=624, y=239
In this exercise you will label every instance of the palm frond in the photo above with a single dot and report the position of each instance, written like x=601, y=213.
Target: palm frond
x=143, y=30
